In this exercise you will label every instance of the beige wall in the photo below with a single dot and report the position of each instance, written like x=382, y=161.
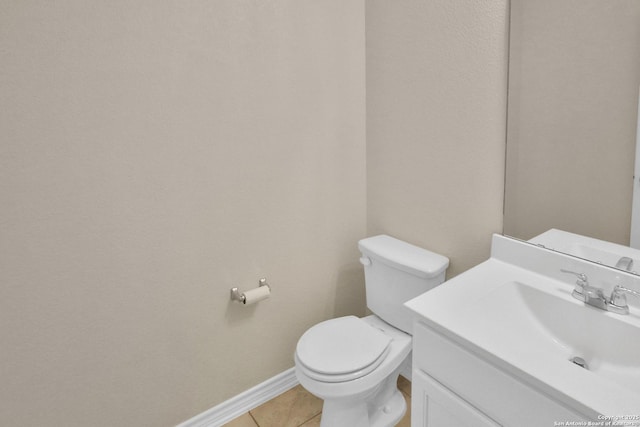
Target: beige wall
x=153, y=155
x=156, y=154
x=436, y=103
x=574, y=76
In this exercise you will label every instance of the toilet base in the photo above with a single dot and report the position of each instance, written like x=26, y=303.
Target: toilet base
x=385, y=407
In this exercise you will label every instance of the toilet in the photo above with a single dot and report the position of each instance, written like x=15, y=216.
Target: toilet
x=353, y=363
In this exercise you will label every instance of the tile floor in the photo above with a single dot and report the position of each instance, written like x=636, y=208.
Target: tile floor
x=299, y=408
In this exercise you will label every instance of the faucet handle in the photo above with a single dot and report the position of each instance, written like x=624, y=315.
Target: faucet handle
x=620, y=289
x=581, y=276
x=580, y=286
x=618, y=300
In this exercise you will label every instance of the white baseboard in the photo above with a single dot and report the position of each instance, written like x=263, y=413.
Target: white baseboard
x=244, y=402
x=254, y=397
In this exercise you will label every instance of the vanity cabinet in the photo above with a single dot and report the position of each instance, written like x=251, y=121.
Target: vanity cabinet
x=452, y=386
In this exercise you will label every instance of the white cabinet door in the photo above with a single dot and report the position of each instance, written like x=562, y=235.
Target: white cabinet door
x=433, y=405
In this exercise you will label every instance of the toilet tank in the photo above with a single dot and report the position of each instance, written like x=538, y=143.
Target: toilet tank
x=395, y=272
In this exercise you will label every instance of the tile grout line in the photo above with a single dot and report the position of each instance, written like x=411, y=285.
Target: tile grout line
x=254, y=419
x=306, y=421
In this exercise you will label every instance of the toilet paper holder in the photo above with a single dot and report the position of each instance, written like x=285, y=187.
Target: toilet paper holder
x=236, y=295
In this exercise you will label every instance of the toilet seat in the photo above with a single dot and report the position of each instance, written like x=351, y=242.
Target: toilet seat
x=342, y=349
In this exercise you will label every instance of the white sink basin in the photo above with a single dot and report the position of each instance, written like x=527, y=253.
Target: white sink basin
x=516, y=311
x=552, y=321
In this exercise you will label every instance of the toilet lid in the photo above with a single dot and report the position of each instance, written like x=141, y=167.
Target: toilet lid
x=342, y=346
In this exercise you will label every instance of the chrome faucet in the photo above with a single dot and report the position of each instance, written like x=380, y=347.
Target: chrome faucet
x=593, y=296
x=618, y=302
x=583, y=291
x=625, y=263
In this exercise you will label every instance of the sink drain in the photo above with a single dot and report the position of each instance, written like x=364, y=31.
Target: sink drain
x=579, y=361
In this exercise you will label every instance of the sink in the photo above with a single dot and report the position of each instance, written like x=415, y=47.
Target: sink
x=553, y=322
x=516, y=312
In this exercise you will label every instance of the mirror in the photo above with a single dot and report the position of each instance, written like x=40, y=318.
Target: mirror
x=574, y=73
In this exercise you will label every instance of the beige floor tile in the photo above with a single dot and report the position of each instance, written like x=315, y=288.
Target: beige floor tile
x=406, y=420
x=404, y=385
x=244, y=420
x=313, y=422
x=290, y=409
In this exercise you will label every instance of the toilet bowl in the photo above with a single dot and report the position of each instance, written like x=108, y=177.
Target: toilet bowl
x=356, y=380
x=353, y=363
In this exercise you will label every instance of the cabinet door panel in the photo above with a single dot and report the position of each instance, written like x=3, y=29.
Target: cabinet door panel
x=433, y=405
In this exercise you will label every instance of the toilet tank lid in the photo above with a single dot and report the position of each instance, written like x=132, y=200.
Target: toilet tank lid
x=403, y=255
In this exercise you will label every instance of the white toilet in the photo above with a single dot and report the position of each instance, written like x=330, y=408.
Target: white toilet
x=353, y=363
